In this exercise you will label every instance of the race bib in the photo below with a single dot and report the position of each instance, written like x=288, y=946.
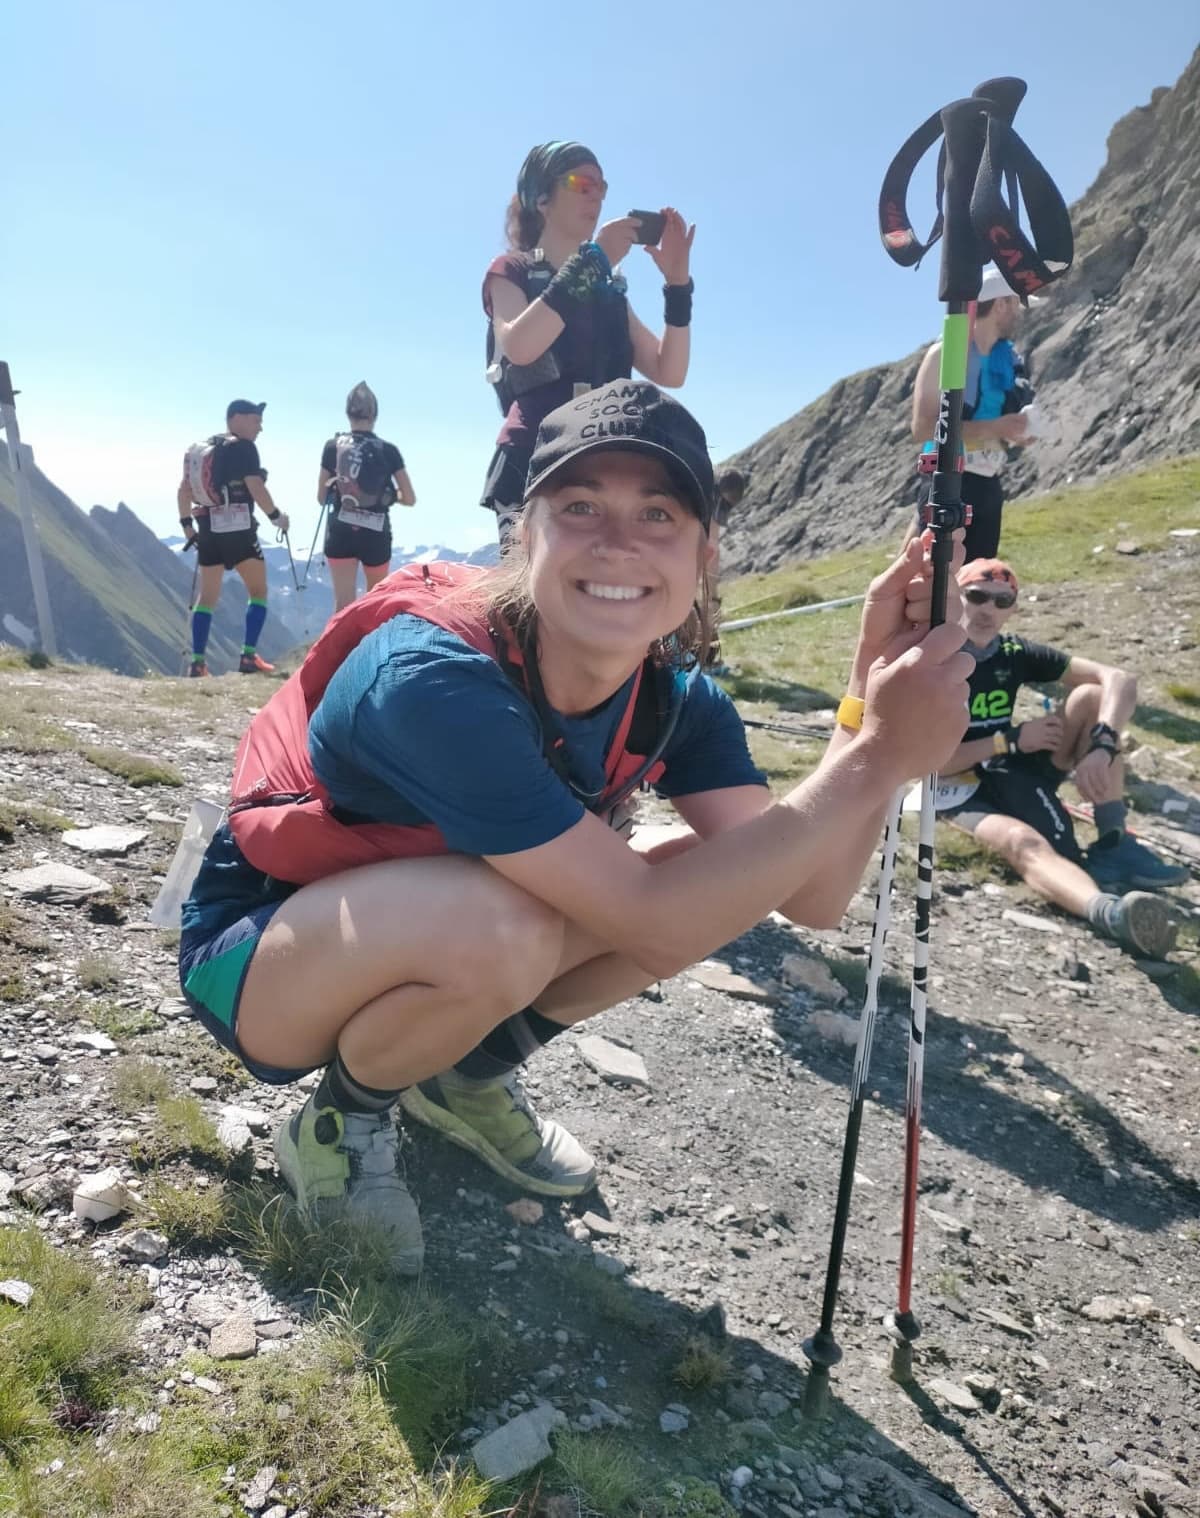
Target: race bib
x=953, y=790
x=234, y=517
x=374, y=521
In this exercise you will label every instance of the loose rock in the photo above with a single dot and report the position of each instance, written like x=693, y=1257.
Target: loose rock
x=142, y=1246
x=234, y=1339
x=612, y=1062
x=61, y=883
x=104, y=839
x=518, y=1445
x=100, y=1197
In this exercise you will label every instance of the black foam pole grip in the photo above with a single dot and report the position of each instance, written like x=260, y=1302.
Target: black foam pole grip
x=1005, y=95
x=965, y=126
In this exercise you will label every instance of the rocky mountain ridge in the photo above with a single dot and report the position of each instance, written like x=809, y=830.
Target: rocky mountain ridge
x=1114, y=352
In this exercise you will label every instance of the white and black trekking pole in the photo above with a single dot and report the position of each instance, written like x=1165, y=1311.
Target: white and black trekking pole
x=979, y=151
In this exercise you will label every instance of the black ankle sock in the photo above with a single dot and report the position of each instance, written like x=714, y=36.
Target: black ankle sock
x=1109, y=818
x=338, y=1088
x=508, y=1045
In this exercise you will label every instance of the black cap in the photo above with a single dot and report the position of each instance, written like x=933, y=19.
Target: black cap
x=636, y=416
x=244, y=408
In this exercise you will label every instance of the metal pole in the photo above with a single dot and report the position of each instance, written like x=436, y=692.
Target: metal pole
x=20, y=459
x=792, y=611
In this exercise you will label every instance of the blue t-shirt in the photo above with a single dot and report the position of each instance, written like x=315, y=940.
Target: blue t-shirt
x=416, y=726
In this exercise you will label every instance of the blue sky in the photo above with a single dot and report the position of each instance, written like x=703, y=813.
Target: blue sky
x=277, y=200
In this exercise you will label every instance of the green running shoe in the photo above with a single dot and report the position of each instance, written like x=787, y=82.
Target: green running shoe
x=346, y=1164
x=496, y=1123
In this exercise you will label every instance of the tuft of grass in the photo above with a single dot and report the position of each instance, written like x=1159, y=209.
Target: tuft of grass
x=181, y=1127
x=62, y=1356
x=689, y=1497
x=294, y=1252
x=13, y=985
x=20, y=930
x=949, y=1283
x=29, y=733
x=958, y=851
x=1186, y=695
x=16, y=816
x=189, y=1215
x=327, y=1414
x=96, y=973
x=137, y=1084
x=703, y=1365
x=120, y=1022
x=134, y=768
x=414, y=1346
x=613, y=1301
x=604, y=1472
x=14, y=658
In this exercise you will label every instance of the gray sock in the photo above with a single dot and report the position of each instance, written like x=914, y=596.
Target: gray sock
x=1100, y=910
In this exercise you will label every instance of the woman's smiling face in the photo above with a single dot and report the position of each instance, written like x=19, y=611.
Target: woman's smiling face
x=615, y=551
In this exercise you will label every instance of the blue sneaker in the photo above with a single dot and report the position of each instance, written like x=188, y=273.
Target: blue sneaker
x=1128, y=862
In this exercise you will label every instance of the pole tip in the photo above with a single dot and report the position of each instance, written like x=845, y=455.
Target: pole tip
x=816, y=1393
x=902, y=1363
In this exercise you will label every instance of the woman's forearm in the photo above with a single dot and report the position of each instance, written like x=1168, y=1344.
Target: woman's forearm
x=524, y=339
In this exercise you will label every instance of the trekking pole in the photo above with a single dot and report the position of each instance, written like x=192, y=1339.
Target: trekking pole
x=187, y=652
x=822, y=1349
x=999, y=98
x=283, y=538
x=980, y=149
x=313, y=545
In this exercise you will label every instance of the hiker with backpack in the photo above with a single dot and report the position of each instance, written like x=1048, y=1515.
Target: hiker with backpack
x=416, y=888
x=361, y=477
x=559, y=322
x=223, y=481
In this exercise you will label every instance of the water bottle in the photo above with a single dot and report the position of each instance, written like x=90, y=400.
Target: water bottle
x=203, y=821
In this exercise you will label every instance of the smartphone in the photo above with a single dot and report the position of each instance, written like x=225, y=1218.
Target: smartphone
x=650, y=226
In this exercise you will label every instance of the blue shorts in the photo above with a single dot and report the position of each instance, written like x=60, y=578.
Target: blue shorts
x=212, y=972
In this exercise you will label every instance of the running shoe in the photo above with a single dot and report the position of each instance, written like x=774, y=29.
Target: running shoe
x=1128, y=862
x=254, y=664
x=197, y=669
x=1143, y=923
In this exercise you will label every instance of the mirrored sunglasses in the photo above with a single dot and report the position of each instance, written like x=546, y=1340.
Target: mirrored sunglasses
x=1003, y=598
x=581, y=181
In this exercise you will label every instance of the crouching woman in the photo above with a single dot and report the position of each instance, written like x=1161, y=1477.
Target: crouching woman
x=417, y=888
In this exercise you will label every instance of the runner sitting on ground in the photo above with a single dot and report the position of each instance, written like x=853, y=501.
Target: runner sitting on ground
x=222, y=483
x=1006, y=790
x=559, y=320
x=361, y=476
x=434, y=783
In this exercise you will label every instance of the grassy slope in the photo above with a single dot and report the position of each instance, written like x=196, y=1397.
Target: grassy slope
x=148, y=619
x=801, y=663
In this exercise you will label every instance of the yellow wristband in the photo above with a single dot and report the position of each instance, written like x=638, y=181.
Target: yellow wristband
x=850, y=712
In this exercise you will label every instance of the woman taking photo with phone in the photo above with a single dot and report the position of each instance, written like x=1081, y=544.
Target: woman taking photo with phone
x=560, y=323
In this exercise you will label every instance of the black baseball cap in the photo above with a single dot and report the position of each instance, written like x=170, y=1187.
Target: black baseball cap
x=636, y=416
x=244, y=408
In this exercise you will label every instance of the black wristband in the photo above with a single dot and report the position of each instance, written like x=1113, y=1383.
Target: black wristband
x=1013, y=738
x=273, y=516
x=186, y=522
x=580, y=279
x=677, y=304
x=1104, y=736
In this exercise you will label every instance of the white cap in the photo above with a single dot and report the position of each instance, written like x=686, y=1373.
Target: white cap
x=996, y=287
